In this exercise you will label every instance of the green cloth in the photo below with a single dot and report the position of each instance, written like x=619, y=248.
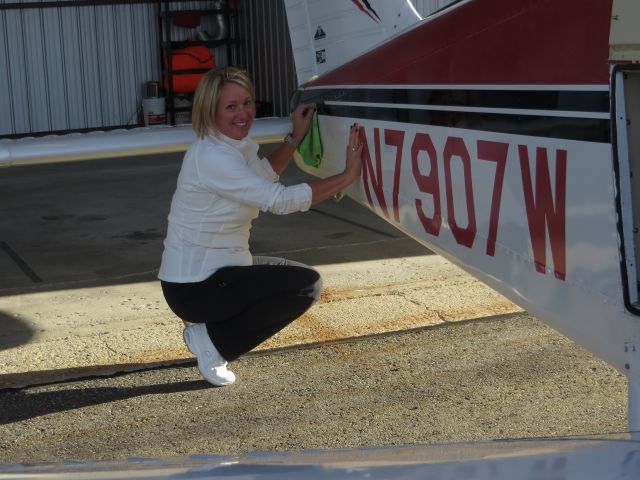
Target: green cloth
x=310, y=147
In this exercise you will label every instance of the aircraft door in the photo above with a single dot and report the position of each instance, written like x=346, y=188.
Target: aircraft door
x=626, y=144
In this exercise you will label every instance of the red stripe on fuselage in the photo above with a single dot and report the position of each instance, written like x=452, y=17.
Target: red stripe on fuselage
x=493, y=42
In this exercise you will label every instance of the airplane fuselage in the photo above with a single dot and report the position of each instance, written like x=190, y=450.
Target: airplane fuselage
x=490, y=137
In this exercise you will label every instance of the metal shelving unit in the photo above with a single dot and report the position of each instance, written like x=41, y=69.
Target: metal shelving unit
x=169, y=45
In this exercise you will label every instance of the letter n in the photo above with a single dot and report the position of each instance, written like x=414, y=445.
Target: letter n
x=376, y=175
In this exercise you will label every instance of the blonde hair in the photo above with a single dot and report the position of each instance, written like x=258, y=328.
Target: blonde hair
x=208, y=93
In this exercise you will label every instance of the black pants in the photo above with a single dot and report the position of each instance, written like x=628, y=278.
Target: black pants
x=243, y=306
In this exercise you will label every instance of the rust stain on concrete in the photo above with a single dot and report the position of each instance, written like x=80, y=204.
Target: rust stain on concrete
x=340, y=313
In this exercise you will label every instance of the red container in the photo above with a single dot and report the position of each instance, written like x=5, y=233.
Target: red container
x=189, y=58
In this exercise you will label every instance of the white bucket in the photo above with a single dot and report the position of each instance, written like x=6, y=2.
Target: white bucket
x=153, y=110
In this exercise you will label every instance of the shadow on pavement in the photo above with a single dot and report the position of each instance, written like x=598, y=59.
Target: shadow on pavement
x=103, y=222
x=23, y=405
x=13, y=332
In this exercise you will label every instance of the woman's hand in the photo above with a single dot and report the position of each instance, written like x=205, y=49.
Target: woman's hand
x=301, y=120
x=328, y=187
x=354, y=152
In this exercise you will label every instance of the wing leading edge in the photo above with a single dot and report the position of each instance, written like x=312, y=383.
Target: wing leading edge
x=120, y=143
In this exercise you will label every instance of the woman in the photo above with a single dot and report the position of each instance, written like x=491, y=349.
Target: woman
x=231, y=300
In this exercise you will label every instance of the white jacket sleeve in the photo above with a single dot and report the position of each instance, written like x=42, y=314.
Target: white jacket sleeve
x=224, y=170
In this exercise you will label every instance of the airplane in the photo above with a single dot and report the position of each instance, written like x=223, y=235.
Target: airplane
x=506, y=143
x=502, y=136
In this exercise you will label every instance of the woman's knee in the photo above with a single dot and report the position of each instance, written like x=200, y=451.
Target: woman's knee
x=314, y=286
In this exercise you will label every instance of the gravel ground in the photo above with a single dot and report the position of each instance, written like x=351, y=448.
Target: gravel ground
x=504, y=377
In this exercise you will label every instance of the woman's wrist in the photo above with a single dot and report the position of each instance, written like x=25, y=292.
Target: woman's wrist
x=298, y=137
x=347, y=177
x=353, y=174
x=291, y=140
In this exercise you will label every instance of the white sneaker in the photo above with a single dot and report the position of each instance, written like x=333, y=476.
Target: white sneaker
x=210, y=363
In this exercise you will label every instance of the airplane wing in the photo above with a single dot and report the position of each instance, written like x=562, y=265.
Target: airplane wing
x=584, y=458
x=120, y=143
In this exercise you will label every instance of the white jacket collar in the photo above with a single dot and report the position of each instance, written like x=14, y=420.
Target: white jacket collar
x=246, y=146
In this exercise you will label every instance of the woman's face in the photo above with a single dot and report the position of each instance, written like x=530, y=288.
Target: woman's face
x=235, y=111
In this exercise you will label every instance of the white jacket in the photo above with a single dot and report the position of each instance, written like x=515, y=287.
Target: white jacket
x=221, y=188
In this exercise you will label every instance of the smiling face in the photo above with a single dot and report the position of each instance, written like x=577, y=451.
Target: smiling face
x=235, y=111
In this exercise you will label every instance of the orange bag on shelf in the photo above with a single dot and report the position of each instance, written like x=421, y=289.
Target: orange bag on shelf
x=197, y=56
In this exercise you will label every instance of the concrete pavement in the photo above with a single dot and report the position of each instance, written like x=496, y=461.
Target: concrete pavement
x=80, y=245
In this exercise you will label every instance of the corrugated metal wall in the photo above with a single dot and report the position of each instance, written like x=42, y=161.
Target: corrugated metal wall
x=425, y=7
x=67, y=68
x=83, y=67
x=265, y=52
x=74, y=67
